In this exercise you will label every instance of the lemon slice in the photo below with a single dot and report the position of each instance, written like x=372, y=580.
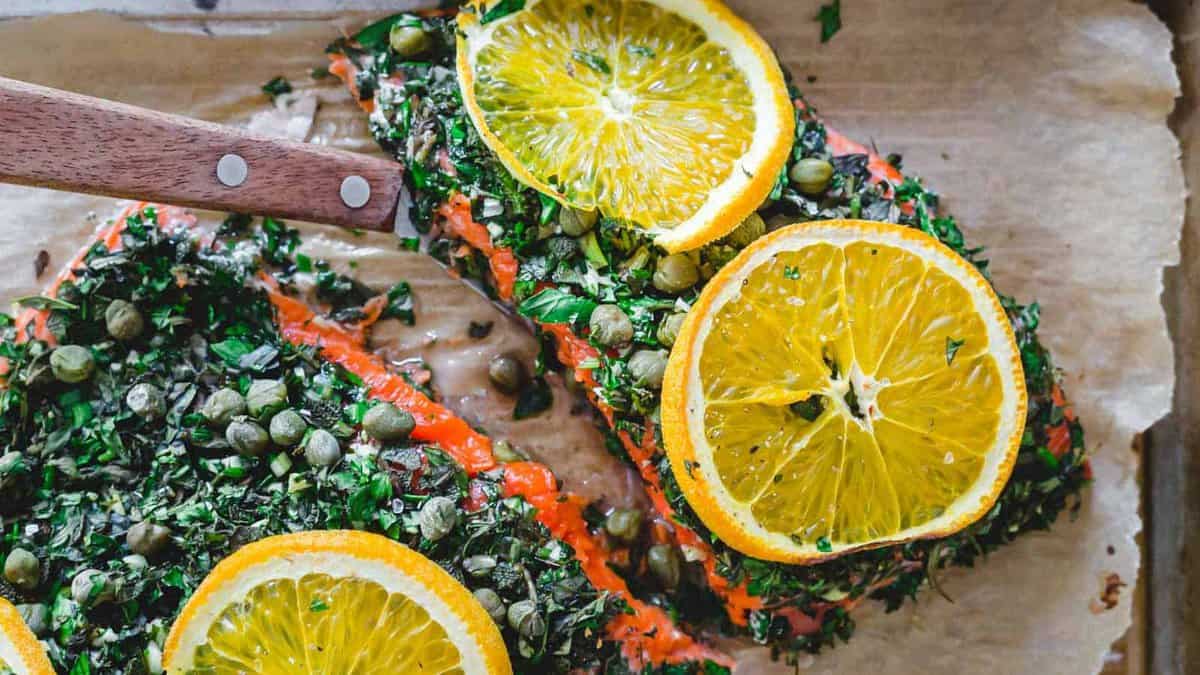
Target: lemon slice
x=333, y=602
x=843, y=385
x=672, y=114
x=20, y=651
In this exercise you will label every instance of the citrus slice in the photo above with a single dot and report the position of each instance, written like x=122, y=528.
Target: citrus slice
x=843, y=385
x=671, y=114
x=333, y=602
x=20, y=651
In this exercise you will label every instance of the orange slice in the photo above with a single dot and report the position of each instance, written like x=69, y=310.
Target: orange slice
x=20, y=651
x=671, y=114
x=843, y=385
x=333, y=602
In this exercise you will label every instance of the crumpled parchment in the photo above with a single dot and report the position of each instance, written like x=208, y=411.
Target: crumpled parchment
x=1043, y=123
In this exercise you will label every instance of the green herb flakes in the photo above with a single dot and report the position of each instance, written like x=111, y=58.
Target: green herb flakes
x=592, y=60
x=278, y=86
x=952, y=347
x=830, y=17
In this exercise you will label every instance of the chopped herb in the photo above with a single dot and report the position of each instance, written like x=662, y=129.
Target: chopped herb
x=318, y=605
x=375, y=35
x=824, y=545
x=553, y=305
x=952, y=347
x=1047, y=458
x=810, y=408
x=591, y=60
x=791, y=272
x=43, y=302
x=830, y=17
x=278, y=86
x=400, y=304
x=231, y=350
x=639, y=50
x=502, y=9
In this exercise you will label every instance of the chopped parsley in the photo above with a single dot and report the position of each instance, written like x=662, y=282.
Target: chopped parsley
x=592, y=60
x=830, y=17
x=952, y=347
x=278, y=86
x=502, y=9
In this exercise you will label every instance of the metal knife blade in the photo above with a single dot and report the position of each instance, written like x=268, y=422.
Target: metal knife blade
x=406, y=229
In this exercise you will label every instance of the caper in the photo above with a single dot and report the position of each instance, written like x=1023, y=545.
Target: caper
x=647, y=366
x=479, y=566
x=322, y=449
x=506, y=374
x=504, y=451
x=264, y=398
x=22, y=569
x=386, y=422
x=637, y=262
x=437, y=518
x=220, y=408
x=664, y=563
x=409, y=40
x=577, y=222
x=123, y=320
x=675, y=273
x=525, y=618
x=811, y=175
x=492, y=603
x=72, y=364
x=146, y=401
x=147, y=538
x=747, y=231
x=246, y=437
x=610, y=326
x=287, y=428
x=562, y=248
x=91, y=587
x=624, y=524
x=668, y=330
x=37, y=617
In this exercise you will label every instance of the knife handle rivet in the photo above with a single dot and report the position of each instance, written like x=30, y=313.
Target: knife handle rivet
x=232, y=170
x=356, y=191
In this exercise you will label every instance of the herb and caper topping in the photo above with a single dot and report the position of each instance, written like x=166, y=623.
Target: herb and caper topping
x=147, y=460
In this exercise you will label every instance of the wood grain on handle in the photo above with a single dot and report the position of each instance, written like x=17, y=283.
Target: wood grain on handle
x=57, y=139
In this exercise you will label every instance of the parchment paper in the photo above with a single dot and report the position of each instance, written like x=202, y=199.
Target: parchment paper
x=1043, y=123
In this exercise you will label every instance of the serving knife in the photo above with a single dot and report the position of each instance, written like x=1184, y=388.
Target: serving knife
x=65, y=141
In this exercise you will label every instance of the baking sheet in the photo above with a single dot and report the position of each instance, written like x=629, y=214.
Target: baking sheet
x=1042, y=123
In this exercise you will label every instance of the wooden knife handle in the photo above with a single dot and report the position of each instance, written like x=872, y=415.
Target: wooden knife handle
x=65, y=141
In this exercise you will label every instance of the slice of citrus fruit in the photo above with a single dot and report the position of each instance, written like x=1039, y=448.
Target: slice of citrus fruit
x=20, y=651
x=672, y=114
x=843, y=385
x=333, y=602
